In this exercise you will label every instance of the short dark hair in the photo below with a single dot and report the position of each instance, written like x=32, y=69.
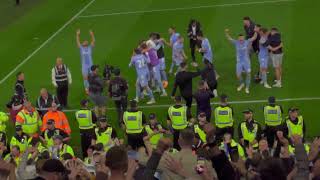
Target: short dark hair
x=117, y=72
x=200, y=34
x=157, y=35
x=133, y=104
x=99, y=147
x=264, y=30
x=66, y=156
x=258, y=25
x=223, y=98
x=178, y=98
x=117, y=158
x=143, y=45
x=187, y=136
x=137, y=50
x=247, y=18
x=240, y=35
x=172, y=27
x=183, y=64
x=272, y=168
x=274, y=29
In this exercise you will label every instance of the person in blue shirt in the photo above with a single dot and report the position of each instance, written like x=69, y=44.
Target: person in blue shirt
x=86, y=57
x=174, y=36
x=263, y=56
x=205, y=48
x=140, y=62
x=243, y=59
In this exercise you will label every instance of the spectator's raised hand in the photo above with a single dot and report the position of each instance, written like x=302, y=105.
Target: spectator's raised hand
x=132, y=167
x=296, y=139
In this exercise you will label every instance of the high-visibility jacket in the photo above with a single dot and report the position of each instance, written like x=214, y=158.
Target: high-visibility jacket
x=30, y=122
x=292, y=149
x=154, y=139
x=16, y=160
x=178, y=117
x=250, y=136
x=133, y=122
x=233, y=144
x=84, y=118
x=295, y=129
x=104, y=138
x=61, y=151
x=50, y=139
x=3, y=120
x=272, y=115
x=60, y=121
x=23, y=143
x=200, y=132
x=223, y=117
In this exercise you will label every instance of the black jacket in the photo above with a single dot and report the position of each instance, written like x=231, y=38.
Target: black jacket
x=183, y=80
x=95, y=83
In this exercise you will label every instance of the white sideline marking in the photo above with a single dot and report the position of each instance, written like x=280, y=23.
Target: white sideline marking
x=214, y=103
x=46, y=42
x=182, y=8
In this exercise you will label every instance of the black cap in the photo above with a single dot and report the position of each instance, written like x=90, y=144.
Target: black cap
x=50, y=121
x=293, y=109
x=18, y=128
x=202, y=114
x=272, y=100
x=152, y=116
x=247, y=111
x=102, y=119
x=94, y=67
x=83, y=102
x=53, y=165
x=178, y=98
x=116, y=71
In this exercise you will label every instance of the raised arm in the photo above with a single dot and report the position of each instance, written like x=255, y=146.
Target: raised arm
x=254, y=37
x=226, y=31
x=93, y=40
x=78, y=38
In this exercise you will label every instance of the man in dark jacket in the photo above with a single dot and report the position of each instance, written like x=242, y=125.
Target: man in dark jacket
x=45, y=101
x=209, y=75
x=96, y=85
x=194, y=28
x=19, y=88
x=118, y=91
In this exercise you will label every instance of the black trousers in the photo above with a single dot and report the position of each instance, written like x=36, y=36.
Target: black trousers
x=62, y=93
x=135, y=141
x=86, y=137
x=121, y=106
x=193, y=45
x=188, y=100
x=176, y=134
x=221, y=131
x=271, y=133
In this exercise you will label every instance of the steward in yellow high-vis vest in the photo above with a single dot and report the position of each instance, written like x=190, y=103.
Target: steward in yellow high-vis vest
x=51, y=131
x=59, y=148
x=87, y=121
x=154, y=131
x=295, y=123
x=177, y=118
x=134, y=121
x=223, y=118
x=198, y=128
x=105, y=135
x=230, y=144
x=14, y=156
x=29, y=119
x=20, y=139
x=249, y=130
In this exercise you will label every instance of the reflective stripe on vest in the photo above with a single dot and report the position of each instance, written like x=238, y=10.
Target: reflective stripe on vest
x=272, y=115
x=133, y=122
x=201, y=133
x=178, y=117
x=295, y=128
x=30, y=125
x=63, y=76
x=223, y=117
x=292, y=149
x=104, y=137
x=50, y=140
x=154, y=139
x=249, y=135
x=84, y=118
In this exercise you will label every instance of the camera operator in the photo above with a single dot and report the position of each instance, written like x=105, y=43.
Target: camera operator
x=118, y=91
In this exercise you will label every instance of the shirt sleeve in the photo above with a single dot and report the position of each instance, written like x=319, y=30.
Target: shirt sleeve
x=240, y=132
x=69, y=76
x=94, y=117
x=53, y=77
x=174, y=88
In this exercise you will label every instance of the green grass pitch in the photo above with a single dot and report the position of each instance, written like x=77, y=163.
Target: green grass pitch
x=23, y=29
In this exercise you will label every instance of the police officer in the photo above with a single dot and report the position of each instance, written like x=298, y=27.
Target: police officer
x=249, y=130
x=20, y=90
x=45, y=101
x=223, y=117
x=20, y=139
x=59, y=148
x=86, y=120
x=134, y=121
x=4, y=118
x=273, y=119
x=61, y=78
x=230, y=146
x=177, y=118
x=47, y=135
x=118, y=91
x=154, y=131
x=294, y=124
x=198, y=128
x=105, y=135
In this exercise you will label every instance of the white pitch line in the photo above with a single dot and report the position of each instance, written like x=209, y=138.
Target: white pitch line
x=215, y=103
x=45, y=43
x=182, y=8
